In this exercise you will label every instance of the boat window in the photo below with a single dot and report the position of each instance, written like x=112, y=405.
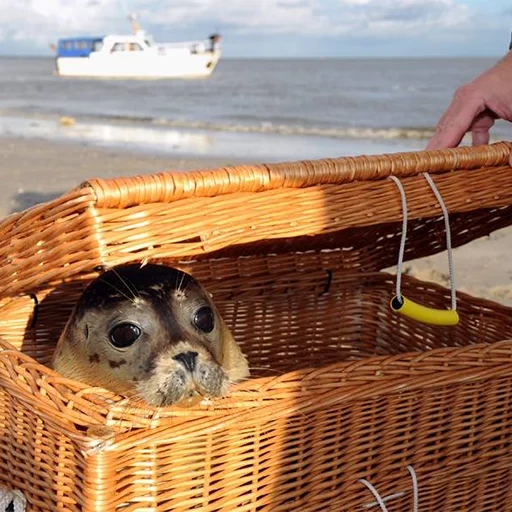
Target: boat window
x=134, y=47
x=97, y=46
x=119, y=47
x=127, y=47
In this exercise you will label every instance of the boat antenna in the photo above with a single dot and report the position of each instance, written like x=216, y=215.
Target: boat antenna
x=132, y=17
x=134, y=23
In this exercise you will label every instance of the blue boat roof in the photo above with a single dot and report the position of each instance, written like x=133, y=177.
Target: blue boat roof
x=87, y=39
x=77, y=46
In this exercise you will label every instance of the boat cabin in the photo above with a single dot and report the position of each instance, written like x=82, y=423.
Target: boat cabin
x=84, y=46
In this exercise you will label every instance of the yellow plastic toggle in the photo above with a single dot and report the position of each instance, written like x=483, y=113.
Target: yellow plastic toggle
x=424, y=314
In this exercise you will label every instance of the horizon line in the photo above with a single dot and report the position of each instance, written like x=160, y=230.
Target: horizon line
x=297, y=57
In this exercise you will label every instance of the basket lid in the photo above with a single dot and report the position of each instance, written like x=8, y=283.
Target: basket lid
x=347, y=204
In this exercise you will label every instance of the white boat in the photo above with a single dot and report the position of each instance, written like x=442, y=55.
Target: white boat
x=136, y=56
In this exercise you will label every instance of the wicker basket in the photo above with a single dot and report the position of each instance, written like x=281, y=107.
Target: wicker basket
x=343, y=389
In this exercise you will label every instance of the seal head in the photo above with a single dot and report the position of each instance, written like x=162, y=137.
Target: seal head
x=153, y=332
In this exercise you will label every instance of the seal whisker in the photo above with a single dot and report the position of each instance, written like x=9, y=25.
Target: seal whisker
x=243, y=379
x=266, y=369
x=133, y=291
x=137, y=397
x=182, y=280
x=127, y=297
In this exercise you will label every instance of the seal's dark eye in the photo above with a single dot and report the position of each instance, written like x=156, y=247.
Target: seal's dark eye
x=204, y=319
x=124, y=335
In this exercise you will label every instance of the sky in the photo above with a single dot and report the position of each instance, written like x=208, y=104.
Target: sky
x=274, y=28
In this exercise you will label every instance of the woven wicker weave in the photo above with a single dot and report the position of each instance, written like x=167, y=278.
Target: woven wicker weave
x=343, y=388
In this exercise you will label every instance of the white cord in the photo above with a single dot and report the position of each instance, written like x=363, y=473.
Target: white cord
x=376, y=494
x=404, y=237
x=381, y=501
x=415, y=490
x=448, y=238
x=12, y=500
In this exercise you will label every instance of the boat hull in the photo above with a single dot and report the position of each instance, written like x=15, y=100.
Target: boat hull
x=139, y=65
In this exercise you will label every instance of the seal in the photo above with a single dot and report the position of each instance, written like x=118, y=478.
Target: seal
x=151, y=331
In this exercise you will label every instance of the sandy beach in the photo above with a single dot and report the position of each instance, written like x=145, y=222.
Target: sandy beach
x=35, y=171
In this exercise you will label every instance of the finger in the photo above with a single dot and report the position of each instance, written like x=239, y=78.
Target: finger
x=480, y=127
x=480, y=137
x=456, y=121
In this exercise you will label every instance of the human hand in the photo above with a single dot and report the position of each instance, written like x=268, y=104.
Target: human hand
x=475, y=106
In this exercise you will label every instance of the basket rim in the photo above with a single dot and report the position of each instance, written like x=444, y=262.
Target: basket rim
x=168, y=186
x=362, y=379
x=75, y=406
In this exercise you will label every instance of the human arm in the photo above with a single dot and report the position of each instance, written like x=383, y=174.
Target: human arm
x=475, y=107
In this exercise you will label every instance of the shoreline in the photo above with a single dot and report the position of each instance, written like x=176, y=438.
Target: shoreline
x=190, y=139
x=186, y=139
x=36, y=170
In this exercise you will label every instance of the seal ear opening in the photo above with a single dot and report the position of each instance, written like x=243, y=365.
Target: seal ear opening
x=233, y=360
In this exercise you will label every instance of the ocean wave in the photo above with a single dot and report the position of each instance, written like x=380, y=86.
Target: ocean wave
x=358, y=132
x=267, y=127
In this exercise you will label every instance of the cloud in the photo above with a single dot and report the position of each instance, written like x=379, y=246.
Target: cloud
x=315, y=17
x=41, y=21
x=267, y=16
x=406, y=16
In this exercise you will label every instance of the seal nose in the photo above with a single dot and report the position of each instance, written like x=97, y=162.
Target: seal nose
x=187, y=359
